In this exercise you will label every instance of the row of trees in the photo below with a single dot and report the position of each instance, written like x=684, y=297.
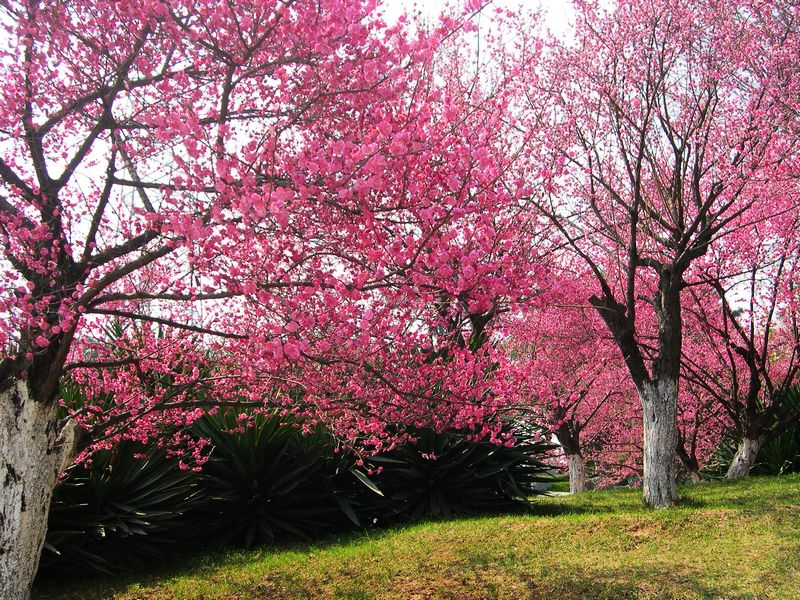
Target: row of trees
x=294, y=205
x=733, y=388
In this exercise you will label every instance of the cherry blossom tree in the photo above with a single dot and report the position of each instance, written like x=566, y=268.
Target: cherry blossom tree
x=267, y=204
x=664, y=120
x=747, y=351
x=701, y=426
x=577, y=382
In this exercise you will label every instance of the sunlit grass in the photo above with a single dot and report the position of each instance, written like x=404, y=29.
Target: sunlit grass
x=725, y=540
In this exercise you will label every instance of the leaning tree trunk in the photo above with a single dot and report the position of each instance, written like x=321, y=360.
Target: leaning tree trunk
x=34, y=450
x=660, y=408
x=577, y=473
x=688, y=461
x=744, y=458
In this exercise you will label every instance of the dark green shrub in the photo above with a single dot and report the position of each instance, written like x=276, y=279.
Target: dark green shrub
x=269, y=481
x=445, y=475
x=782, y=453
x=117, y=513
x=265, y=481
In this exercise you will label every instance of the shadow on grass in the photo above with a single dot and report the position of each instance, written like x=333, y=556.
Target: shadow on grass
x=632, y=582
x=199, y=561
x=685, y=501
x=612, y=500
x=204, y=562
x=758, y=495
x=545, y=508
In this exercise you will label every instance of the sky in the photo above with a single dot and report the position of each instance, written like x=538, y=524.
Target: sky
x=556, y=13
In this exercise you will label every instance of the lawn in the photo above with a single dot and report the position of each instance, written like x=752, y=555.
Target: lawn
x=725, y=540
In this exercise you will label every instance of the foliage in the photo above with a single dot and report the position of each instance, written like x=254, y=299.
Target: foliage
x=584, y=396
x=279, y=187
x=268, y=479
x=740, y=358
x=447, y=474
x=265, y=479
x=370, y=182
x=659, y=184
x=118, y=512
x=782, y=453
x=779, y=455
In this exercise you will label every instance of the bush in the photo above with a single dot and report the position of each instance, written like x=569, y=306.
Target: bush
x=117, y=513
x=446, y=475
x=270, y=481
x=782, y=454
x=265, y=481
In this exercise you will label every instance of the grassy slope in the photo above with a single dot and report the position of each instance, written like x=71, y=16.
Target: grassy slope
x=725, y=541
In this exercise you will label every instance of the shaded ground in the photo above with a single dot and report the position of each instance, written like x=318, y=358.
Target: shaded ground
x=725, y=540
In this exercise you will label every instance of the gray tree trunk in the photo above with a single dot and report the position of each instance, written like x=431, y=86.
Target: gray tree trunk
x=744, y=458
x=34, y=450
x=694, y=477
x=660, y=407
x=577, y=473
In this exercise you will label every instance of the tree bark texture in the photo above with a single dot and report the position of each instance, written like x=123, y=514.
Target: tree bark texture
x=659, y=403
x=745, y=458
x=34, y=449
x=577, y=473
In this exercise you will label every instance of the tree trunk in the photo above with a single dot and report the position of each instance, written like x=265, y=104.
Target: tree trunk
x=660, y=408
x=745, y=457
x=34, y=450
x=577, y=473
x=689, y=461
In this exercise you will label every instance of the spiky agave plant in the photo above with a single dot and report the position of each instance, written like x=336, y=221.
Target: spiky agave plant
x=780, y=454
x=119, y=512
x=265, y=480
x=446, y=474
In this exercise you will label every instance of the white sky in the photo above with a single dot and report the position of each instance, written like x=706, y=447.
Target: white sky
x=556, y=13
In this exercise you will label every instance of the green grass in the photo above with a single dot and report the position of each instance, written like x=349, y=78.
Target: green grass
x=559, y=485
x=724, y=540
